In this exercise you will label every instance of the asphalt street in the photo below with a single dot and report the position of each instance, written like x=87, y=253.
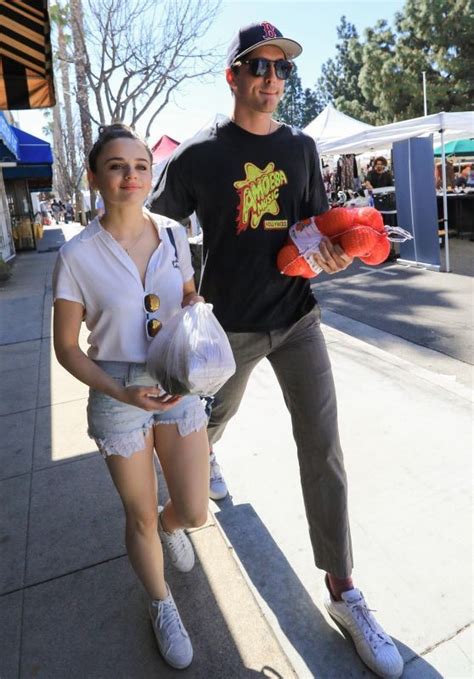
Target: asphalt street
x=429, y=308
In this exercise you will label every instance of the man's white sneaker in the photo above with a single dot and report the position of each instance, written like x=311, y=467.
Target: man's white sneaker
x=178, y=547
x=217, y=485
x=373, y=645
x=171, y=636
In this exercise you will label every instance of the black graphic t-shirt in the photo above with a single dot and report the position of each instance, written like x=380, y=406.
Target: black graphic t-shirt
x=247, y=190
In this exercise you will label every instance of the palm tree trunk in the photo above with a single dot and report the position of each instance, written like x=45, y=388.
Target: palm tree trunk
x=81, y=61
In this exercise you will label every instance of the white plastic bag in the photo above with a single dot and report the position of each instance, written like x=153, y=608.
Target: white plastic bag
x=191, y=354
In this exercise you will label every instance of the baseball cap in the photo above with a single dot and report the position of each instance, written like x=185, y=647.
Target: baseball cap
x=252, y=36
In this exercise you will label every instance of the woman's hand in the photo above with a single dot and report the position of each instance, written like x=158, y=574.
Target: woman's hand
x=148, y=398
x=331, y=258
x=192, y=298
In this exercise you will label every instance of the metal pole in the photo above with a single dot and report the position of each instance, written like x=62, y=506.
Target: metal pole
x=425, y=103
x=445, y=202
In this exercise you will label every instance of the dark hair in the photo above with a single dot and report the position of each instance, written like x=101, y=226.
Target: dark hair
x=109, y=133
x=381, y=159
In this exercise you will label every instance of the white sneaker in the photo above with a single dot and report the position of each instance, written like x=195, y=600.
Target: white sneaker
x=171, y=636
x=373, y=645
x=217, y=485
x=178, y=547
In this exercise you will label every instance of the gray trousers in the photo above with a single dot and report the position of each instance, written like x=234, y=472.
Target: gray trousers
x=300, y=360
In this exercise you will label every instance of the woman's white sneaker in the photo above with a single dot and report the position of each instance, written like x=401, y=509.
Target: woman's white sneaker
x=372, y=643
x=171, y=636
x=217, y=485
x=178, y=547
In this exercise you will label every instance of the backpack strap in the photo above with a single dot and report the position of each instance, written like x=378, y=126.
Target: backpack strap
x=170, y=233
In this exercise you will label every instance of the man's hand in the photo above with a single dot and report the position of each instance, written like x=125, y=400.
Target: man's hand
x=331, y=258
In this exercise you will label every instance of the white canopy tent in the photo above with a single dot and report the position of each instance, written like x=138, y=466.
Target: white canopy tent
x=443, y=126
x=331, y=125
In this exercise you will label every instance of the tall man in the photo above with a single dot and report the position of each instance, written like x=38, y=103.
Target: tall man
x=248, y=179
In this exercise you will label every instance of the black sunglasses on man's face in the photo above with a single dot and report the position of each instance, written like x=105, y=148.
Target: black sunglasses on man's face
x=259, y=66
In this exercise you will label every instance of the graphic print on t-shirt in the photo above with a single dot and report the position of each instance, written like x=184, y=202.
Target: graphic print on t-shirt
x=258, y=195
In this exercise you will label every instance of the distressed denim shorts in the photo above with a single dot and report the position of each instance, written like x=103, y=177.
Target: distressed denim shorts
x=119, y=428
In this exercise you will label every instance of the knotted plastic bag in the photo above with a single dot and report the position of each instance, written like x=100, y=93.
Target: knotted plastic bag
x=191, y=354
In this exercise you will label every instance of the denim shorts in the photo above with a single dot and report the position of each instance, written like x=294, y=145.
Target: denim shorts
x=119, y=428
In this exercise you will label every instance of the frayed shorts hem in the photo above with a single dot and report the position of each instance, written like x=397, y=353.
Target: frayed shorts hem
x=120, y=429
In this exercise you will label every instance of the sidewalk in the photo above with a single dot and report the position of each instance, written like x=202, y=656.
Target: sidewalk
x=70, y=606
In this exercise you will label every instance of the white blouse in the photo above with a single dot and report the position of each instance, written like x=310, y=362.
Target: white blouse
x=94, y=270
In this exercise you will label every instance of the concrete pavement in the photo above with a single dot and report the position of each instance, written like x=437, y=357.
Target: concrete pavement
x=69, y=602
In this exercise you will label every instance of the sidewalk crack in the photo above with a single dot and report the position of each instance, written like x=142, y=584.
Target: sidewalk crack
x=431, y=648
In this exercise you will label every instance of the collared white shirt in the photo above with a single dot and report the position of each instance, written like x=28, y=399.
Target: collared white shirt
x=94, y=270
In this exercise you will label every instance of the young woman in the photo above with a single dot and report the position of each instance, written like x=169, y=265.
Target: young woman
x=125, y=275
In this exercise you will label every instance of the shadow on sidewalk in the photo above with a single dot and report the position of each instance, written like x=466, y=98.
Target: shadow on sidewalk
x=322, y=648
x=428, y=308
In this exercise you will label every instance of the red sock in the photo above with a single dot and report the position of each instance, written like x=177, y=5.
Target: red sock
x=337, y=586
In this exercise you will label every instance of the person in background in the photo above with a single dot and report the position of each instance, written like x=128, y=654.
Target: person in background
x=99, y=206
x=379, y=176
x=109, y=276
x=249, y=178
x=56, y=210
x=465, y=177
x=450, y=176
x=68, y=211
x=62, y=210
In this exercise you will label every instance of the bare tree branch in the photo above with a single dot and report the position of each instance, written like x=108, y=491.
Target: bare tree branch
x=138, y=52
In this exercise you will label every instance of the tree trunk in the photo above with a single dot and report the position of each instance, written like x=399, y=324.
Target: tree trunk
x=70, y=136
x=80, y=62
x=60, y=177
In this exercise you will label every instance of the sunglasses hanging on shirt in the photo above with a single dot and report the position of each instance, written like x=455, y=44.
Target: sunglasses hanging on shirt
x=151, y=304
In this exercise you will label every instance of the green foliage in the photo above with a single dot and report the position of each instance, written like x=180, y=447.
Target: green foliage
x=298, y=107
x=379, y=80
x=437, y=36
x=339, y=83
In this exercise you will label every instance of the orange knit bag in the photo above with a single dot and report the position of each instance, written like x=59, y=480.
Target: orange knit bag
x=359, y=231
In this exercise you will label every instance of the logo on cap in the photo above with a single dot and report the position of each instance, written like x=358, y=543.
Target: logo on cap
x=269, y=31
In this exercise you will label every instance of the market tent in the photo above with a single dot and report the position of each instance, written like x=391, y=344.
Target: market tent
x=26, y=72
x=460, y=148
x=451, y=125
x=163, y=148
x=443, y=126
x=331, y=125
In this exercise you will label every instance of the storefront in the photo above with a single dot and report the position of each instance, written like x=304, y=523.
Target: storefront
x=32, y=173
x=8, y=159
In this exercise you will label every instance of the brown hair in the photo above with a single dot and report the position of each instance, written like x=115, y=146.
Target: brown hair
x=108, y=133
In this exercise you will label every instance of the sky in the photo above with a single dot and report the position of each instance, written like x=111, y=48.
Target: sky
x=312, y=23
